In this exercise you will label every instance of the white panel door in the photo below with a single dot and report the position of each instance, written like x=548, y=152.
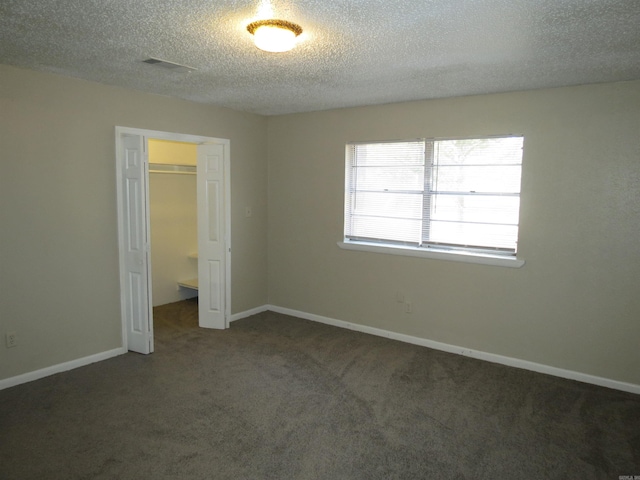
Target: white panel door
x=136, y=295
x=211, y=237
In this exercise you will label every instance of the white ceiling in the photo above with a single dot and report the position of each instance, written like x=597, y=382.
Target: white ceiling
x=353, y=52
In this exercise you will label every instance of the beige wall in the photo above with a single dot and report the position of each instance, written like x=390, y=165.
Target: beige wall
x=574, y=305
x=59, y=279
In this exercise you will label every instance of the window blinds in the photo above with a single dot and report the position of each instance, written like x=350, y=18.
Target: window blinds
x=436, y=193
x=384, y=191
x=474, y=193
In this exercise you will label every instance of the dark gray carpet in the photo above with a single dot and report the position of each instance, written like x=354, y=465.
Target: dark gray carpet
x=275, y=397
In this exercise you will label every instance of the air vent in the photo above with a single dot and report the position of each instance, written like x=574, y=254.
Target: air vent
x=174, y=67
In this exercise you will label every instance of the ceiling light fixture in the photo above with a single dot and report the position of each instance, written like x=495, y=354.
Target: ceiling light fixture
x=273, y=35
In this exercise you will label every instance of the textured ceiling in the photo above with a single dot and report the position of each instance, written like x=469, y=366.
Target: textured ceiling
x=353, y=52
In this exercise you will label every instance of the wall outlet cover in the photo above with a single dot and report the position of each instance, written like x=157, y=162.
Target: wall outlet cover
x=12, y=339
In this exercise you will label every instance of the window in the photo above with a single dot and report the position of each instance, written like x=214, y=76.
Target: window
x=435, y=194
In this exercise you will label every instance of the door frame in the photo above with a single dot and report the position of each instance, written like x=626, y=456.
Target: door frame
x=178, y=137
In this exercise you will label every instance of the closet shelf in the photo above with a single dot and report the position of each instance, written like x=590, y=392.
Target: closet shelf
x=166, y=168
x=192, y=284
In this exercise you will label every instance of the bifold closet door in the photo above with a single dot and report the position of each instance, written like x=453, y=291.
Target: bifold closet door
x=211, y=236
x=134, y=223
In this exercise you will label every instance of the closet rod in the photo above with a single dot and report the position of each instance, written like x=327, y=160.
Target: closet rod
x=167, y=168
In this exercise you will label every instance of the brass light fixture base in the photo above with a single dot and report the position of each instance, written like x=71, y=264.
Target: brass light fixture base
x=274, y=22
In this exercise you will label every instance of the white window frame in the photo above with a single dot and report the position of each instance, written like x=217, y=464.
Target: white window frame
x=457, y=253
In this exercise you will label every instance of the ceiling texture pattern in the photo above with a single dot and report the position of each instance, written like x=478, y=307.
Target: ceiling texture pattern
x=352, y=52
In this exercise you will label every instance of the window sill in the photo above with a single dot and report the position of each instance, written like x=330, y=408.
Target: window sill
x=453, y=256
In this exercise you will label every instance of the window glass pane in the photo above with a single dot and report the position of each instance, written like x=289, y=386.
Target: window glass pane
x=391, y=153
x=479, y=151
x=473, y=167
x=389, y=178
x=400, y=205
x=379, y=177
x=471, y=197
x=461, y=178
x=472, y=234
x=475, y=208
x=394, y=229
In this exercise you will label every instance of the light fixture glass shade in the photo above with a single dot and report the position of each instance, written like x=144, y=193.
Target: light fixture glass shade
x=274, y=35
x=274, y=39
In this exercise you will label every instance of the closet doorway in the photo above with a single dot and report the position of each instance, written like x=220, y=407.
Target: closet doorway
x=211, y=258
x=173, y=221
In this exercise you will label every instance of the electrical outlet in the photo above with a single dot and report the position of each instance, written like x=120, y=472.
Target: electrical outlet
x=12, y=339
x=408, y=307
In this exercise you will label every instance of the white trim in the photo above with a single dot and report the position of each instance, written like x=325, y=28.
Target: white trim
x=467, y=352
x=227, y=230
x=178, y=137
x=121, y=236
x=445, y=347
x=454, y=256
x=248, y=313
x=61, y=367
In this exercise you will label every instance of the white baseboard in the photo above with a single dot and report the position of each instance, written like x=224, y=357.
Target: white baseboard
x=248, y=313
x=98, y=357
x=445, y=347
x=61, y=367
x=467, y=352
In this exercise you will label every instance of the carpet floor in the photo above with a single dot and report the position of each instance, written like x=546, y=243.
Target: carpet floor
x=277, y=397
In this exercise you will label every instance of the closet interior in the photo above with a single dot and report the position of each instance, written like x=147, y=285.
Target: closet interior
x=173, y=221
